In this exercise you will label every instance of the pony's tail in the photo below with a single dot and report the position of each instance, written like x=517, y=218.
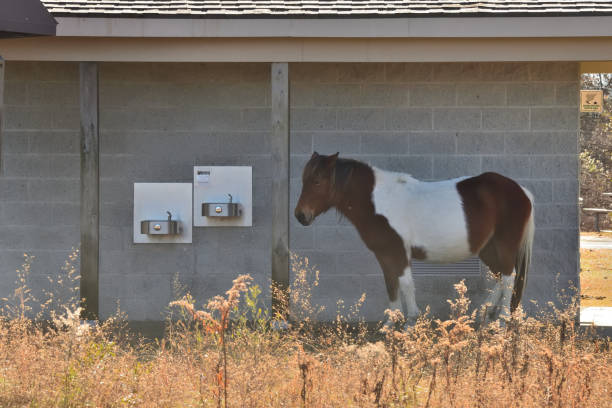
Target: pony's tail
x=523, y=258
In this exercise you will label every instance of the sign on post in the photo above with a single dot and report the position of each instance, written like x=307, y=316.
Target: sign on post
x=591, y=100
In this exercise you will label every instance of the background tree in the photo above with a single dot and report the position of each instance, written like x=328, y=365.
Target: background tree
x=596, y=152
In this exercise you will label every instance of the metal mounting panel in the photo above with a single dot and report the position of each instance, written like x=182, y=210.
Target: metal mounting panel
x=152, y=200
x=213, y=184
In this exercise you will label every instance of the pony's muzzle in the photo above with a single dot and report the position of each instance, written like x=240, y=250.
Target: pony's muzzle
x=303, y=218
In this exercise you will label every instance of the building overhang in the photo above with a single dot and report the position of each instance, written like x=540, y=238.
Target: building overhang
x=20, y=18
x=430, y=27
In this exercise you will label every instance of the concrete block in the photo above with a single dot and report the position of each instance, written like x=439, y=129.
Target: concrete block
x=541, y=189
x=554, y=119
x=112, y=239
x=529, y=142
x=566, y=142
x=509, y=166
x=256, y=72
x=242, y=143
x=504, y=71
x=481, y=94
x=408, y=119
x=301, y=142
x=555, y=167
x=42, y=71
x=27, y=117
x=301, y=94
x=64, y=166
x=556, y=216
x=456, y=119
x=314, y=72
x=567, y=94
x=297, y=164
x=505, y=119
x=358, y=263
x=417, y=166
x=255, y=119
x=13, y=189
x=565, y=191
x=408, y=72
x=433, y=95
x=30, y=238
x=554, y=71
x=336, y=95
x=117, y=215
x=66, y=118
x=54, y=142
x=25, y=213
x=457, y=71
x=384, y=143
x=432, y=143
x=301, y=239
x=50, y=190
x=66, y=213
x=447, y=167
x=14, y=92
x=115, y=191
x=347, y=143
x=479, y=143
x=531, y=94
x=15, y=142
x=53, y=93
x=338, y=239
x=361, y=119
x=132, y=94
x=362, y=72
x=384, y=95
x=312, y=119
x=26, y=165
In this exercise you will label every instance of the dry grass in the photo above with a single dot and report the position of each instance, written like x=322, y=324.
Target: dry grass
x=596, y=277
x=227, y=355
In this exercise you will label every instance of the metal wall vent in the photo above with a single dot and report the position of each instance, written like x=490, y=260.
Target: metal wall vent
x=468, y=267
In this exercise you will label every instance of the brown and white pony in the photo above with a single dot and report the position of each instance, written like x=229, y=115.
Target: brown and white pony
x=400, y=218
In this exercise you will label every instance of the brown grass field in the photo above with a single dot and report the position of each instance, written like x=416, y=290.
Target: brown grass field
x=226, y=355
x=596, y=275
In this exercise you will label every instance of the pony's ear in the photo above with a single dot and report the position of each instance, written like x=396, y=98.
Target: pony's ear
x=331, y=160
x=314, y=155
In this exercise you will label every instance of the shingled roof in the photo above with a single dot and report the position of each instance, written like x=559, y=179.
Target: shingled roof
x=321, y=8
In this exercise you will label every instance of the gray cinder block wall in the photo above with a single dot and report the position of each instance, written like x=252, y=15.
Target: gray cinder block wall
x=39, y=184
x=434, y=121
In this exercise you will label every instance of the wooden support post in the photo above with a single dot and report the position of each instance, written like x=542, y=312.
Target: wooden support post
x=90, y=189
x=1, y=107
x=280, y=186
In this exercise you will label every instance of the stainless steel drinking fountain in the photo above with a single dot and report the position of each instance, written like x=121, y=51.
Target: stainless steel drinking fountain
x=161, y=227
x=225, y=210
x=151, y=201
x=222, y=196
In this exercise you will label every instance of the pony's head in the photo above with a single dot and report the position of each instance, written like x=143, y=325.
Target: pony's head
x=317, y=187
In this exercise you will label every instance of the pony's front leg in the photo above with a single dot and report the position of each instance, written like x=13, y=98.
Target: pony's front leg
x=407, y=289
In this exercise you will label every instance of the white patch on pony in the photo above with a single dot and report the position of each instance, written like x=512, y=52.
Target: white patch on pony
x=492, y=302
x=507, y=285
x=428, y=215
x=406, y=285
x=396, y=304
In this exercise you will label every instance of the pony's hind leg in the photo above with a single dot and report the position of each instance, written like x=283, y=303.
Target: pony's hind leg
x=507, y=286
x=490, y=306
x=406, y=284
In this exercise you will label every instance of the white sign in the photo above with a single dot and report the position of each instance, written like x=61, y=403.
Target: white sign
x=591, y=100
